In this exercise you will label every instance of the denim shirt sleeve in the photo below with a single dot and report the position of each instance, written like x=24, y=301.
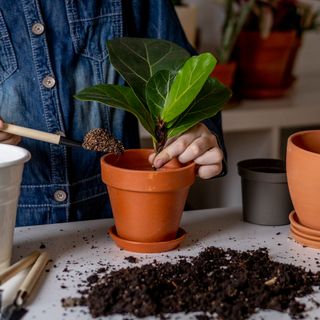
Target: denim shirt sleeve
x=71, y=52
x=158, y=19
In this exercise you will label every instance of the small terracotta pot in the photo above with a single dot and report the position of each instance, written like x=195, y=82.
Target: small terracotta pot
x=263, y=64
x=225, y=73
x=303, y=171
x=147, y=205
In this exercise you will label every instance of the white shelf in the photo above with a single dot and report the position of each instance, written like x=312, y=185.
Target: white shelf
x=300, y=108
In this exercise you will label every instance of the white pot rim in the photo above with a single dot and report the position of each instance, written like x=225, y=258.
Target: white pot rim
x=16, y=155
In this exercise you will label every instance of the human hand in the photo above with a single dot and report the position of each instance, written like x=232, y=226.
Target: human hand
x=7, y=137
x=197, y=144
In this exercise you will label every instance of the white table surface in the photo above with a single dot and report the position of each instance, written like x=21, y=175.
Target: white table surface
x=81, y=246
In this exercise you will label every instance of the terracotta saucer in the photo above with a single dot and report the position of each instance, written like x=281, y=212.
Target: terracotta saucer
x=306, y=231
x=301, y=234
x=305, y=241
x=146, y=247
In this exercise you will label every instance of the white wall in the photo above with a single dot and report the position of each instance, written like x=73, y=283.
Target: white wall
x=210, y=18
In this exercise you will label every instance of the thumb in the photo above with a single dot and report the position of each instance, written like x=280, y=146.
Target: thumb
x=152, y=157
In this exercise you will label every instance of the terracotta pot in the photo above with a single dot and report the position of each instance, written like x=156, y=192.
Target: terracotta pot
x=263, y=63
x=303, y=170
x=289, y=77
x=225, y=73
x=147, y=205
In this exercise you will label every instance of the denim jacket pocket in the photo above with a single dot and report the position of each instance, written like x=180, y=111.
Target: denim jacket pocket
x=8, y=61
x=91, y=24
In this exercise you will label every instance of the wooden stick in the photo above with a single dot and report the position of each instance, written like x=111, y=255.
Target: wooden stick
x=18, y=266
x=27, y=285
x=31, y=133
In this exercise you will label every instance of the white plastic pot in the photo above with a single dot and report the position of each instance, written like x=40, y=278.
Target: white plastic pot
x=12, y=159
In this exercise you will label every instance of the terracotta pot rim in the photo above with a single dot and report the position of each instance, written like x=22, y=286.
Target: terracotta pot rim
x=299, y=149
x=156, y=172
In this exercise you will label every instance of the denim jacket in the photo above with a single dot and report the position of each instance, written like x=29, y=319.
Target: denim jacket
x=49, y=50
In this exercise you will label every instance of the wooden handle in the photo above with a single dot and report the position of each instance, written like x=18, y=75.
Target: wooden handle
x=31, y=133
x=31, y=279
x=18, y=266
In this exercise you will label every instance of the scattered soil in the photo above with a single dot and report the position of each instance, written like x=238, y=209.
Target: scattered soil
x=101, y=140
x=220, y=283
x=42, y=246
x=93, y=278
x=131, y=259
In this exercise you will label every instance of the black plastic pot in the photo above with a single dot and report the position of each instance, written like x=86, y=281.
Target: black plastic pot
x=265, y=194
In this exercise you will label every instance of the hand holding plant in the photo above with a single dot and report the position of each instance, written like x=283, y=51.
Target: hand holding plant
x=198, y=144
x=169, y=91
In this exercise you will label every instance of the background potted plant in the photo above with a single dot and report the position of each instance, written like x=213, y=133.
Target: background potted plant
x=267, y=47
x=169, y=92
x=236, y=14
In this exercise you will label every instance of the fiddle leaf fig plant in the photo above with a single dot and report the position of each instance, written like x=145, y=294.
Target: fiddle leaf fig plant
x=169, y=91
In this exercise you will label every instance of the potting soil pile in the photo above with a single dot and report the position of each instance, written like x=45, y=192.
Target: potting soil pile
x=101, y=140
x=223, y=284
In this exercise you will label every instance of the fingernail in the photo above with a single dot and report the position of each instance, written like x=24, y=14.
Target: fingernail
x=159, y=163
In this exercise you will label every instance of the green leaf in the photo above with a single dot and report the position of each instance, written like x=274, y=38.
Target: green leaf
x=187, y=84
x=157, y=90
x=209, y=102
x=118, y=97
x=137, y=59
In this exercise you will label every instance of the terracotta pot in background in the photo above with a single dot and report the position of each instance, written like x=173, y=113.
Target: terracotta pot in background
x=225, y=73
x=263, y=64
x=303, y=170
x=147, y=205
x=289, y=77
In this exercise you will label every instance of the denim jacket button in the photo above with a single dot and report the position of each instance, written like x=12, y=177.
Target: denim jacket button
x=38, y=29
x=60, y=196
x=48, y=82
